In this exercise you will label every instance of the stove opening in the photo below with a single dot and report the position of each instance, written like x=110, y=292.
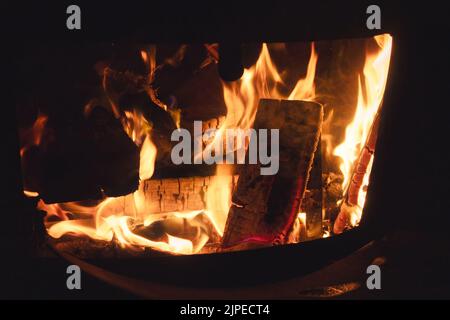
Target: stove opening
x=151, y=152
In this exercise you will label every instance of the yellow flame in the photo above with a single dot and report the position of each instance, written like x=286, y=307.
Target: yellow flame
x=375, y=73
x=147, y=159
x=241, y=99
x=139, y=130
x=30, y=194
x=305, y=88
x=113, y=218
x=218, y=197
x=180, y=245
x=262, y=81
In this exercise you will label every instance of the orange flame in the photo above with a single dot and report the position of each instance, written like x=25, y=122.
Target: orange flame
x=114, y=219
x=139, y=130
x=375, y=74
x=241, y=98
x=218, y=197
x=305, y=88
x=33, y=135
x=262, y=81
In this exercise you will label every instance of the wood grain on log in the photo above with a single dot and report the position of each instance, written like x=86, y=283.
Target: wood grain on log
x=264, y=207
x=178, y=194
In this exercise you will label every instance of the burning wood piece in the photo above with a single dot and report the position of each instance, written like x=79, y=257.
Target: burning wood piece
x=350, y=203
x=116, y=157
x=180, y=194
x=264, y=207
x=88, y=248
x=332, y=193
x=312, y=203
x=79, y=157
x=309, y=222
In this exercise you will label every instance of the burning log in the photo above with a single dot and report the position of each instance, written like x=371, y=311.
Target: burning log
x=332, y=193
x=178, y=194
x=116, y=159
x=312, y=202
x=264, y=207
x=360, y=170
x=87, y=156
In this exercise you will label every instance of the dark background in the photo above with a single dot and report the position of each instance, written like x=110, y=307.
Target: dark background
x=411, y=186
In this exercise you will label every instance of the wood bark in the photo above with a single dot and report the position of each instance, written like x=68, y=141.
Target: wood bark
x=359, y=171
x=264, y=207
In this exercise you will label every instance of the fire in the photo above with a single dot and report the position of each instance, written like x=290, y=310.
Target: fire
x=115, y=219
x=149, y=58
x=241, y=97
x=139, y=130
x=263, y=81
x=369, y=101
x=32, y=138
x=30, y=194
x=305, y=88
x=218, y=197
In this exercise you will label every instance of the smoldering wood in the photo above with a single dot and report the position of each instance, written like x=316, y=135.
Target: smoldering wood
x=332, y=193
x=357, y=178
x=88, y=248
x=200, y=96
x=86, y=156
x=312, y=203
x=109, y=160
x=70, y=170
x=265, y=207
x=116, y=159
x=185, y=77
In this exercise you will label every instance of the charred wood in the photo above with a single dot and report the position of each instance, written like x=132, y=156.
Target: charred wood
x=360, y=170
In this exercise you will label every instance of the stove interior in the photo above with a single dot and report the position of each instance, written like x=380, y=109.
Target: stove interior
x=143, y=149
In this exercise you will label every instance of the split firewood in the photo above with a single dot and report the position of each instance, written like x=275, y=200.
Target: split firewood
x=116, y=157
x=264, y=207
x=87, y=248
x=332, y=193
x=312, y=203
x=81, y=156
x=310, y=225
x=178, y=194
x=360, y=169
